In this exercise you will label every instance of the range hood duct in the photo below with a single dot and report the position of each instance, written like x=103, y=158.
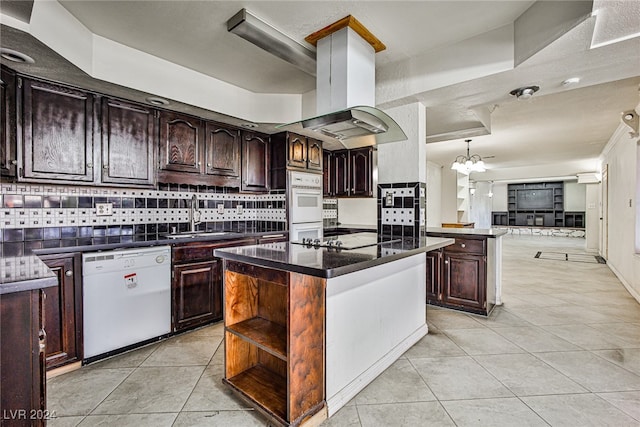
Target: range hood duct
x=345, y=89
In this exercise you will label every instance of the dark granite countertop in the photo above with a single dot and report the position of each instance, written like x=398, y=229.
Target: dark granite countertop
x=485, y=232
x=329, y=262
x=22, y=273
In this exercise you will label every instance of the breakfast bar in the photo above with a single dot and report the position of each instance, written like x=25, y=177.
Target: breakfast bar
x=308, y=326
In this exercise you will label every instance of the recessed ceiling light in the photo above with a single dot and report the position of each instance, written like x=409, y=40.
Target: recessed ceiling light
x=525, y=92
x=15, y=56
x=154, y=100
x=571, y=81
x=249, y=125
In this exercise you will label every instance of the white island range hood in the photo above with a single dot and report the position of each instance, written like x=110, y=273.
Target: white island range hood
x=345, y=86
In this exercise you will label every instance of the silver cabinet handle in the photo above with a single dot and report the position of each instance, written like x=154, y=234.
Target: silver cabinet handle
x=463, y=245
x=13, y=162
x=208, y=165
x=90, y=165
x=68, y=273
x=105, y=167
x=446, y=262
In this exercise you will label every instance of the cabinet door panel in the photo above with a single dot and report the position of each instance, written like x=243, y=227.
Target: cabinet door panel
x=8, y=159
x=222, y=151
x=180, y=142
x=361, y=172
x=128, y=136
x=297, y=151
x=255, y=162
x=197, y=294
x=62, y=311
x=464, y=280
x=341, y=173
x=57, y=132
x=22, y=368
x=314, y=154
x=328, y=174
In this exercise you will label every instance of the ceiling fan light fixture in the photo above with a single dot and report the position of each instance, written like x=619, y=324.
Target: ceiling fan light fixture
x=525, y=92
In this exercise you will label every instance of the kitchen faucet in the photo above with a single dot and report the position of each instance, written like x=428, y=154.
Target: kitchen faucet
x=194, y=214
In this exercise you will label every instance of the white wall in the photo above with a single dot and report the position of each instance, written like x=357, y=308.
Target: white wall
x=620, y=155
x=575, y=196
x=449, y=201
x=358, y=211
x=434, y=195
x=405, y=161
x=480, y=206
x=500, y=200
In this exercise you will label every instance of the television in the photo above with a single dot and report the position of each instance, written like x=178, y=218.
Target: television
x=535, y=199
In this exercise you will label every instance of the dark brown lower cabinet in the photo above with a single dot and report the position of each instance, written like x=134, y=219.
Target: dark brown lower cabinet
x=434, y=265
x=197, y=294
x=464, y=281
x=22, y=359
x=63, y=310
x=457, y=276
x=196, y=291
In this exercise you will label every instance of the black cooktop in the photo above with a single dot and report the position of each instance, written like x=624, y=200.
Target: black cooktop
x=348, y=241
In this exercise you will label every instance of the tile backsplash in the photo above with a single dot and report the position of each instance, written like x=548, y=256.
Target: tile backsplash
x=402, y=209
x=42, y=216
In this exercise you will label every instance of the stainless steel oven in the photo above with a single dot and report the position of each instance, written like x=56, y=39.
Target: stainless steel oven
x=305, y=205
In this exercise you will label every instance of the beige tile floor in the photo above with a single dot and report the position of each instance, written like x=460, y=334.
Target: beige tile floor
x=564, y=350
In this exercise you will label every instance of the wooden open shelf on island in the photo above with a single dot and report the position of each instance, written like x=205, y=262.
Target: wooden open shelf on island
x=264, y=387
x=274, y=341
x=265, y=334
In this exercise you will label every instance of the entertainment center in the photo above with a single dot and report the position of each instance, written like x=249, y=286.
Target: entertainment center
x=537, y=204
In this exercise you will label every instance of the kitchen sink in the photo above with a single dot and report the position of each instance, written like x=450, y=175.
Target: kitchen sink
x=184, y=234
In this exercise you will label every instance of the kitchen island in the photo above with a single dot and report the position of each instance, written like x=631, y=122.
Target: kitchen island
x=308, y=327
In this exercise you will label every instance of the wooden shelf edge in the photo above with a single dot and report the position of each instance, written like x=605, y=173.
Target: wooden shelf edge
x=247, y=331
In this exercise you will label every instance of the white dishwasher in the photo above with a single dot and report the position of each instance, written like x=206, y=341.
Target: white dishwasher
x=126, y=297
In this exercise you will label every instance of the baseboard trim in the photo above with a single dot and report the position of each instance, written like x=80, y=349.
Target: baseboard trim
x=63, y=369
x=626, y=284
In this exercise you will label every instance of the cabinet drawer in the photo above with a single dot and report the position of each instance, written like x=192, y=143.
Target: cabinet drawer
x=467, y=246
x=203, y=250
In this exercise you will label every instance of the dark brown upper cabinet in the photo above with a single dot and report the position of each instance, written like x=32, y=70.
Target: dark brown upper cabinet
x=296, y=151
x=57, y=132
x=255, y=162
x=361, y=172
x=181, y=139
x=348, y=173
x=341, y=173
x=129, y=132
x=290, y=151
x=222, y=153
x=8, y=158
x=314, y=154
x=328, y=171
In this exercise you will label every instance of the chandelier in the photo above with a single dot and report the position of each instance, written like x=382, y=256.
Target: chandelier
x=467, y=164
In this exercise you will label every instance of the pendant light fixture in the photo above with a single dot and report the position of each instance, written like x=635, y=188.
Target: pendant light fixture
x=469, y=163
